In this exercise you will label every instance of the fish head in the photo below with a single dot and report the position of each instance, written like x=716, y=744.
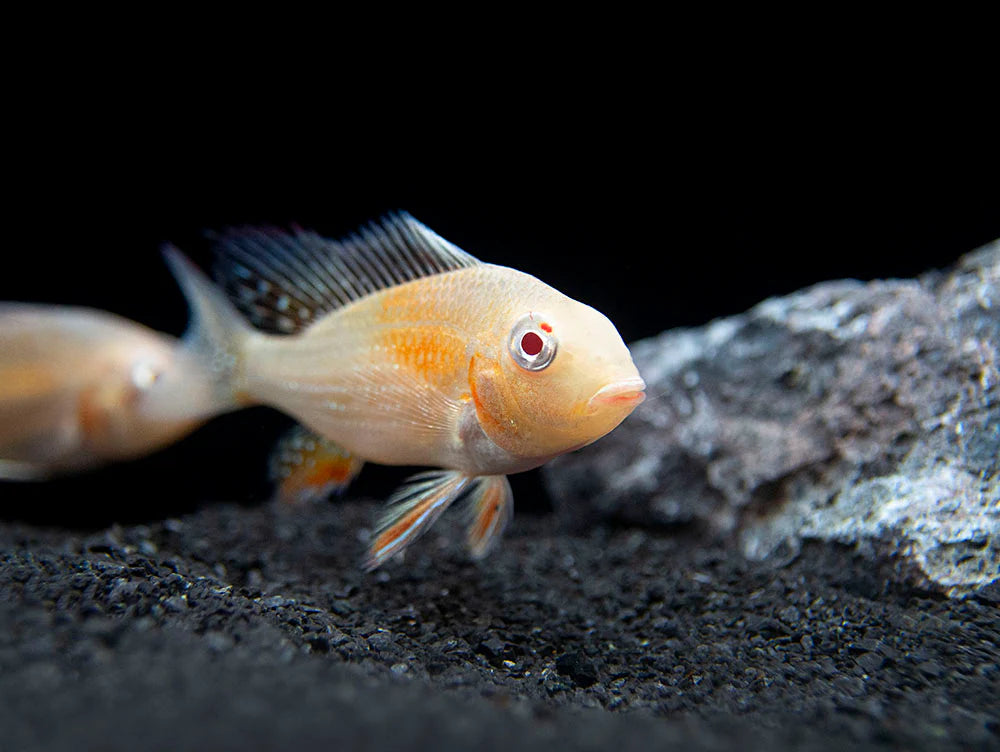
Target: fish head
x=145, y=399
x=562, y=378
x=169, y=383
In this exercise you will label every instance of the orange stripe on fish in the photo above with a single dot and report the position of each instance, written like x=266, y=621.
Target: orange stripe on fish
x=390, y=537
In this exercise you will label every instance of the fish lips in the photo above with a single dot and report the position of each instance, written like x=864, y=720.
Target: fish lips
x=627, y=393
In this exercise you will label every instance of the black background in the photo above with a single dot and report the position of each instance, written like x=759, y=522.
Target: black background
x=666, y=170
x=657, y=221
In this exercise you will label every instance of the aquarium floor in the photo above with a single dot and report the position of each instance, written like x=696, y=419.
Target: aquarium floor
x=254, y=628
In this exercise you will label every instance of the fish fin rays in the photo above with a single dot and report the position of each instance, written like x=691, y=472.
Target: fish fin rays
x=491, y=504
x=306, y=467
x=412, y=510
x=423, y=498
x=216, y=333
x=427, y=411
x=283, y=281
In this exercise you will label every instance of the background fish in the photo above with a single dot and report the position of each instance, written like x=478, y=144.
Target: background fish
x=80, y=388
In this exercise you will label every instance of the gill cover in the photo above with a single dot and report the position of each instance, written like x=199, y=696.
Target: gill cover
x=534, y=393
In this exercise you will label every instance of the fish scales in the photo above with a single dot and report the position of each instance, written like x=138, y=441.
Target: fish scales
x=394, y=361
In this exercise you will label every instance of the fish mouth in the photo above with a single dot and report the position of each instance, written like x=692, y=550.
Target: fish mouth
x=625, y=393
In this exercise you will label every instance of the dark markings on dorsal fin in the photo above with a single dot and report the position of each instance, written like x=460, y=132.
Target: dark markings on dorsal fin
x=283, y=281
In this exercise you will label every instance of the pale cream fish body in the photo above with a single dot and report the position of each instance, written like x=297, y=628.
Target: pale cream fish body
x=399, y=348
x=80, y=388
x=419, y=374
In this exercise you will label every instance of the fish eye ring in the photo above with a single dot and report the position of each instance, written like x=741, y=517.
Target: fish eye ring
x=532, y=345
x=144, y=374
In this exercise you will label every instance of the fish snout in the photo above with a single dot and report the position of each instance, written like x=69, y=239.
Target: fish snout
x=626, y=393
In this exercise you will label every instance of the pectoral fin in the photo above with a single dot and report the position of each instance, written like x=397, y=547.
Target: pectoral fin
x=305, y=467
x=412, y=510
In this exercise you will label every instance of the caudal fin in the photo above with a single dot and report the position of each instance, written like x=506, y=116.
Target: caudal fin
x=216, y=335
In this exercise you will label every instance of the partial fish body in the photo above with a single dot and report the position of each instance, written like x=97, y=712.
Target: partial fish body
x=80, y=388
x=401, y=349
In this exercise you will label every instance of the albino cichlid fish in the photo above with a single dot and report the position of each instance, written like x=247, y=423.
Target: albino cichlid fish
x=77, y=390
x=394, y=346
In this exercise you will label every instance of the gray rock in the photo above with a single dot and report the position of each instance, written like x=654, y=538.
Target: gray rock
x=863, y=414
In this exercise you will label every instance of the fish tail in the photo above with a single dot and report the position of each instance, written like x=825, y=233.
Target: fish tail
x=216, y=336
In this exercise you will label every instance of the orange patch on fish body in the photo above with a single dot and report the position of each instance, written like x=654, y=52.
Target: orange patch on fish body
x=434, y=353
x=416, y=331
x=91, y=414
x=28, y=381
x=96, y=410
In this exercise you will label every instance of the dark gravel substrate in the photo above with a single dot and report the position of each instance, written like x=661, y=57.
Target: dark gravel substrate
x=254, y=628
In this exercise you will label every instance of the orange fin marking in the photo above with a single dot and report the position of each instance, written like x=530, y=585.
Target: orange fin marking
x=391, y=536
x=489, y=508
x=308, y=468
x=412, y=510
x=492, y=504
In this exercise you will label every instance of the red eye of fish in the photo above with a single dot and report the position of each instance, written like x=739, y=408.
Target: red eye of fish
x=530, y=348
x=531, y=343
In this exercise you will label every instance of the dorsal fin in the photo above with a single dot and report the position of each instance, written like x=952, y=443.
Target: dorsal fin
x=284, y=281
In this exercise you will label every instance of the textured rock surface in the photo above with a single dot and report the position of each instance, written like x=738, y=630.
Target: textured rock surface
x=237, y=628
x=867, y=414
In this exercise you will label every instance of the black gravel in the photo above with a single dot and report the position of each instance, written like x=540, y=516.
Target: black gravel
x=254, y=628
